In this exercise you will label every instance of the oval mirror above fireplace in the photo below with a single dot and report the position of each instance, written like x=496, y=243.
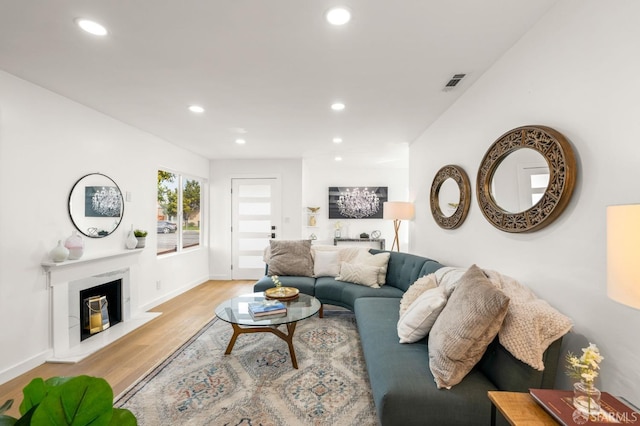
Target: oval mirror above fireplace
x=96, y=205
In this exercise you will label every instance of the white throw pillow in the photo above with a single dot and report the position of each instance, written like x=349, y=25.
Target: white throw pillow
x=358, y=273
x=326, y=264
x=421, y=315
x=380, y=260
x=415, y=290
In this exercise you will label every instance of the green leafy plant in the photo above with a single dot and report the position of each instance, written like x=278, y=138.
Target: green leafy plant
x=364, y=235
x=139, y=233
x=77, y=401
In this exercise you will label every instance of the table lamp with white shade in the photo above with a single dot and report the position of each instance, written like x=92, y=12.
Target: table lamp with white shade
x=623, y=254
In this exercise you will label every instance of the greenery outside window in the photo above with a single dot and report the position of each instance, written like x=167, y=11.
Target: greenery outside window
x=179, y=212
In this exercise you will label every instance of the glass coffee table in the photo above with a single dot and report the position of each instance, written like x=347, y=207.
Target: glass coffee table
x=236, y=312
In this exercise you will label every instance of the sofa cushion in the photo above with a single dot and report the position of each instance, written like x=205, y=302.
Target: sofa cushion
x=345, y=253
x=429, y=267
x=531, y=324
x=380, y=260
x=306, y=285
x=359, y=273
x=401, y=382
x=448, y=277
x=325, y=264
x=417, y=321
x=403, y=268
x=468, y=323
x=416, y=289
x=529, y=328
x=340, y=293
x=290, y=258
x=510, y=374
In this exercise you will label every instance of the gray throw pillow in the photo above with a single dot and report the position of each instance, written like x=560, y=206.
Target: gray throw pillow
x=290, y=258
x=468, y=323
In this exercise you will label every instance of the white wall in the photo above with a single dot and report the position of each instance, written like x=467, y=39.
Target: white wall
x=47, y=143
x=576, y=71
x=317, y=180
x=304, y=184
x=288, y=171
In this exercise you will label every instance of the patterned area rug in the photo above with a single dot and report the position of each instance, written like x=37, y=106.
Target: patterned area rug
x=256, y=384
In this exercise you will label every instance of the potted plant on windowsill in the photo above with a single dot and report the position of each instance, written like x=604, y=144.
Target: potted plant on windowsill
x=141, y=236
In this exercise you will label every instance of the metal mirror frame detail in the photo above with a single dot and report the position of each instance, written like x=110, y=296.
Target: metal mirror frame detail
x=76, y=221
x=558, y=153
x=460, y=177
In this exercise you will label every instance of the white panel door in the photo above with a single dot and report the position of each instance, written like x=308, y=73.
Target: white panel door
x=255, y=205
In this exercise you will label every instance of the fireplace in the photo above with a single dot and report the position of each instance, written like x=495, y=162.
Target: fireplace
x=72, y=281
x=100, y=308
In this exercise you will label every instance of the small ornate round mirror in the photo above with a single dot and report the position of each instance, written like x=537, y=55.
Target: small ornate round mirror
x=526, y=179
x=96, y=205
x=450, y=197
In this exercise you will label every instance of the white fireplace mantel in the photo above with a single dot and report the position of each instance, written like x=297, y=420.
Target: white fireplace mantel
x=66, y=279
x=66, y=271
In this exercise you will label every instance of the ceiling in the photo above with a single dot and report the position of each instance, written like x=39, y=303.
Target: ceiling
x=265, y=71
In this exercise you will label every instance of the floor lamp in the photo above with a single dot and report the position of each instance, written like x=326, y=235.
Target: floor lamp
x=623, y=251
x=398, y=211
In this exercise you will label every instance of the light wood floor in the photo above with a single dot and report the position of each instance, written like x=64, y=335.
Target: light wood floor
x=123, y=362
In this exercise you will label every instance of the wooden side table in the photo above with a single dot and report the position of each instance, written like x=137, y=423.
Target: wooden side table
x=519, y=408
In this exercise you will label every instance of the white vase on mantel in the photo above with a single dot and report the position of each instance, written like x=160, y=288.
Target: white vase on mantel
x=131, y=241
x=59, y=253
x=75, y=245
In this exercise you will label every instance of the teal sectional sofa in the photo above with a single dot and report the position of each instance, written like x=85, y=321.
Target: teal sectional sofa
x=403, y=387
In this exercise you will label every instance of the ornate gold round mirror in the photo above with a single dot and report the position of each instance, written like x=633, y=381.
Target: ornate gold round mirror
x=450, y=197
x=526, y=179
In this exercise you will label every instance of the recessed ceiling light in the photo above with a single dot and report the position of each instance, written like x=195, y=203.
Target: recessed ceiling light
x=338, y=16
x=240, y=141
x=196, y=108
x=338, y=158
x=337, y=140
x=338, y=106
x=91, y=27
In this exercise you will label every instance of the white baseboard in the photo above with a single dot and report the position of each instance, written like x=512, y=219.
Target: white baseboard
x=224, y=277
x=21, y=368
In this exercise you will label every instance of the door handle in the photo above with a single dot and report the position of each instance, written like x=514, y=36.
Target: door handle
x=273, y=235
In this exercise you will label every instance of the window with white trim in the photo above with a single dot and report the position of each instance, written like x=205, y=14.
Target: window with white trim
x=179, y=212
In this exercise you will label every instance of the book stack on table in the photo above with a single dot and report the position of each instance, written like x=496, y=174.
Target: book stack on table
x=267, y=309
x=559, y=404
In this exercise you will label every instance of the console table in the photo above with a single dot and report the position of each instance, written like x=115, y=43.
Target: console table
x=357, y=241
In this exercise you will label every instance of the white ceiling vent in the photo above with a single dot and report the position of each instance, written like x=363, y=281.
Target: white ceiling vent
x=451, y=84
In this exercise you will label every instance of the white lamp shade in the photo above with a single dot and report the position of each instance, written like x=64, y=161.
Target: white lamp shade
x=623, y=254
x=402, y=210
